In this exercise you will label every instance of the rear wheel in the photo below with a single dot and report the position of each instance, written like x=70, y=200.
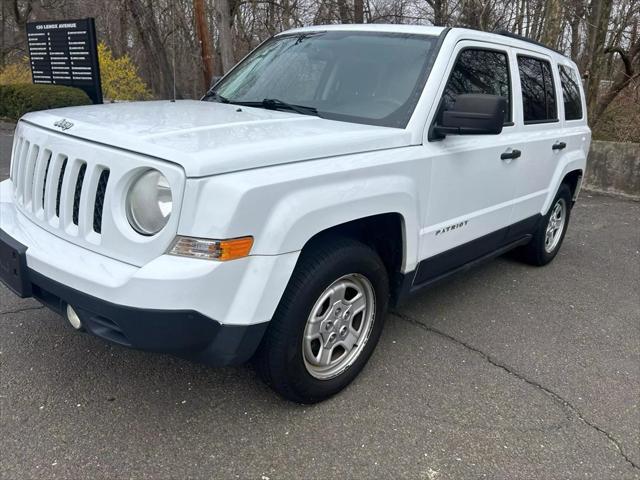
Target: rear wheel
x=547, y=239
x=328, y=321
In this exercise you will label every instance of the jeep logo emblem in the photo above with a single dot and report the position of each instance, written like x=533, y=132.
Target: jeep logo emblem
x=63, y=124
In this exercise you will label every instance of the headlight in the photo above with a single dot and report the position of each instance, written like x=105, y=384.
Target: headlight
x=149, y=203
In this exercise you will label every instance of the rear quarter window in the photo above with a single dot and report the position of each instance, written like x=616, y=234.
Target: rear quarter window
x=538, y=92
x=570, y=93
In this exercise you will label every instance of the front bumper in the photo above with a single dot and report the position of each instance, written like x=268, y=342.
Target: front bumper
x=213, y=312
x=184, y=333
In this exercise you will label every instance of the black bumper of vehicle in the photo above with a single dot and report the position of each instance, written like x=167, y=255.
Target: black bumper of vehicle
x=184, y=333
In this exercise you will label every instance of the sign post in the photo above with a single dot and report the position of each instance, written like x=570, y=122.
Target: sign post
x=65, y=53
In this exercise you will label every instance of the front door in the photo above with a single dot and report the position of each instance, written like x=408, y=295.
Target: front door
x=471, y=188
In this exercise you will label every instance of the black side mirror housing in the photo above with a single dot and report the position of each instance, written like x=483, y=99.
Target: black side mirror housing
x=473, y=114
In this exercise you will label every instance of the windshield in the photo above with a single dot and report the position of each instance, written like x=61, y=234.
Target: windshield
x=362, y=77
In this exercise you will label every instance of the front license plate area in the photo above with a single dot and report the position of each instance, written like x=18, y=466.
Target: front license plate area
x=13, y=265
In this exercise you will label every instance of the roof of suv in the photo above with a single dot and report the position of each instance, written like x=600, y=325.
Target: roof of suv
x=371, y=27
x=503, y=37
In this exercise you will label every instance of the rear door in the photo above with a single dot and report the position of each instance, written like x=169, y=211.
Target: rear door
x=541, y=131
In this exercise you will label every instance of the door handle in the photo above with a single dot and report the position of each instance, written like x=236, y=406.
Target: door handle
x=512, y=155
x=559, y=146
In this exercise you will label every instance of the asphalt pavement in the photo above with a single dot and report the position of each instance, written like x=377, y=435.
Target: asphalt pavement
x=508, y=372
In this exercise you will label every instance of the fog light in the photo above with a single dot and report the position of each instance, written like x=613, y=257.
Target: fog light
x=73, y=318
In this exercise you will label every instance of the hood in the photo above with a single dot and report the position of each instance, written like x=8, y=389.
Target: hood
x=208, y=138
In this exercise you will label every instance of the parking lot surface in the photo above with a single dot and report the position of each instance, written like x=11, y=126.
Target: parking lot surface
x=509, y=372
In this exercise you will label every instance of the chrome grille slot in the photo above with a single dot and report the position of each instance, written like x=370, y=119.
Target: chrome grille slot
x=63, y=168
x=78, y=192
x=16, y=154
x=22, y=156
x=29, y=175
x=42, y=180
x=98, y=205
x=51, y=187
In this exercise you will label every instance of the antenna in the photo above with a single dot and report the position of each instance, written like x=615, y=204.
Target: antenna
x=173, y=41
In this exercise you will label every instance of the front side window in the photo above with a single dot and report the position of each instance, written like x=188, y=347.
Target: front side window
x=538, y=92
x=570, y=93
x=479, y=71
x=372, y=78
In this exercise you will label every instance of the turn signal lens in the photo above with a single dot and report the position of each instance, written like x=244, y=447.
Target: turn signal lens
x=222, y=250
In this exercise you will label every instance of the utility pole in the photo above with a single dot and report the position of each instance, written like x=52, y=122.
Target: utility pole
x=204, y=39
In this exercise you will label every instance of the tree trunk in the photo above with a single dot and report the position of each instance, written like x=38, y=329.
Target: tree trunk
x=224, y=21
x=358, y=11
x=3, y=47
x=20, y=17
x=471, y=13
x=536, y=18
x=596, y=37
x=286, y=15
x=120, y=39
x=204, y=39
x=553, y=24
x=439, y=12
x=154, y=48
x=343, y=11
x=486, y=12
x=520, y=16
x=574, y=23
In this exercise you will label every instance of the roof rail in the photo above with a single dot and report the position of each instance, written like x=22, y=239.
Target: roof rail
x=509, y=34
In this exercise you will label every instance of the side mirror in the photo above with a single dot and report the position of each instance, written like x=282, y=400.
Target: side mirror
x=473, y=114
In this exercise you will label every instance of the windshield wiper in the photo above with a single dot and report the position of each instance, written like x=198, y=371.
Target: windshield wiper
x=215, y=96
x=268, y=103
x=276, y=104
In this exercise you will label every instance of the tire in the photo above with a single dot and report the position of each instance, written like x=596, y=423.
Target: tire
x=540, y=251
x=287, y=360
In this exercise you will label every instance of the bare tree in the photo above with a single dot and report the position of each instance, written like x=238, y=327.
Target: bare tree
x=600, y=10
x=156, y=53
x=358, y=11
x=553, y=23
x=629, y=73
x=224, y=20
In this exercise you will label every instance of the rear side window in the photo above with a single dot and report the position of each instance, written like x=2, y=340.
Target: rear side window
x=538, y=92
x=570, y=93
x=479, y=71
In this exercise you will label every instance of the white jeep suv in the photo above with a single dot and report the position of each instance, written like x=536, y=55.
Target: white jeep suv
x=332, y=172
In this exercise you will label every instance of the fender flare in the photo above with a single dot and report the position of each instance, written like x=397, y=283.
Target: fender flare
x=571, y=162
x=304, y=213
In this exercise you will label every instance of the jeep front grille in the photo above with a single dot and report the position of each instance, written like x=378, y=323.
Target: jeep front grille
x=75, y=189
x=57, y=188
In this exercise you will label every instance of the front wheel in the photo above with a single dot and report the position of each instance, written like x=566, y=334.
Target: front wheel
x=551, y=230
x=328, y=321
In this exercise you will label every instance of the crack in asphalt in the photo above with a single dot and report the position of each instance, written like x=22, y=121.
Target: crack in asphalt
x=25, y=309
x=555, y=396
